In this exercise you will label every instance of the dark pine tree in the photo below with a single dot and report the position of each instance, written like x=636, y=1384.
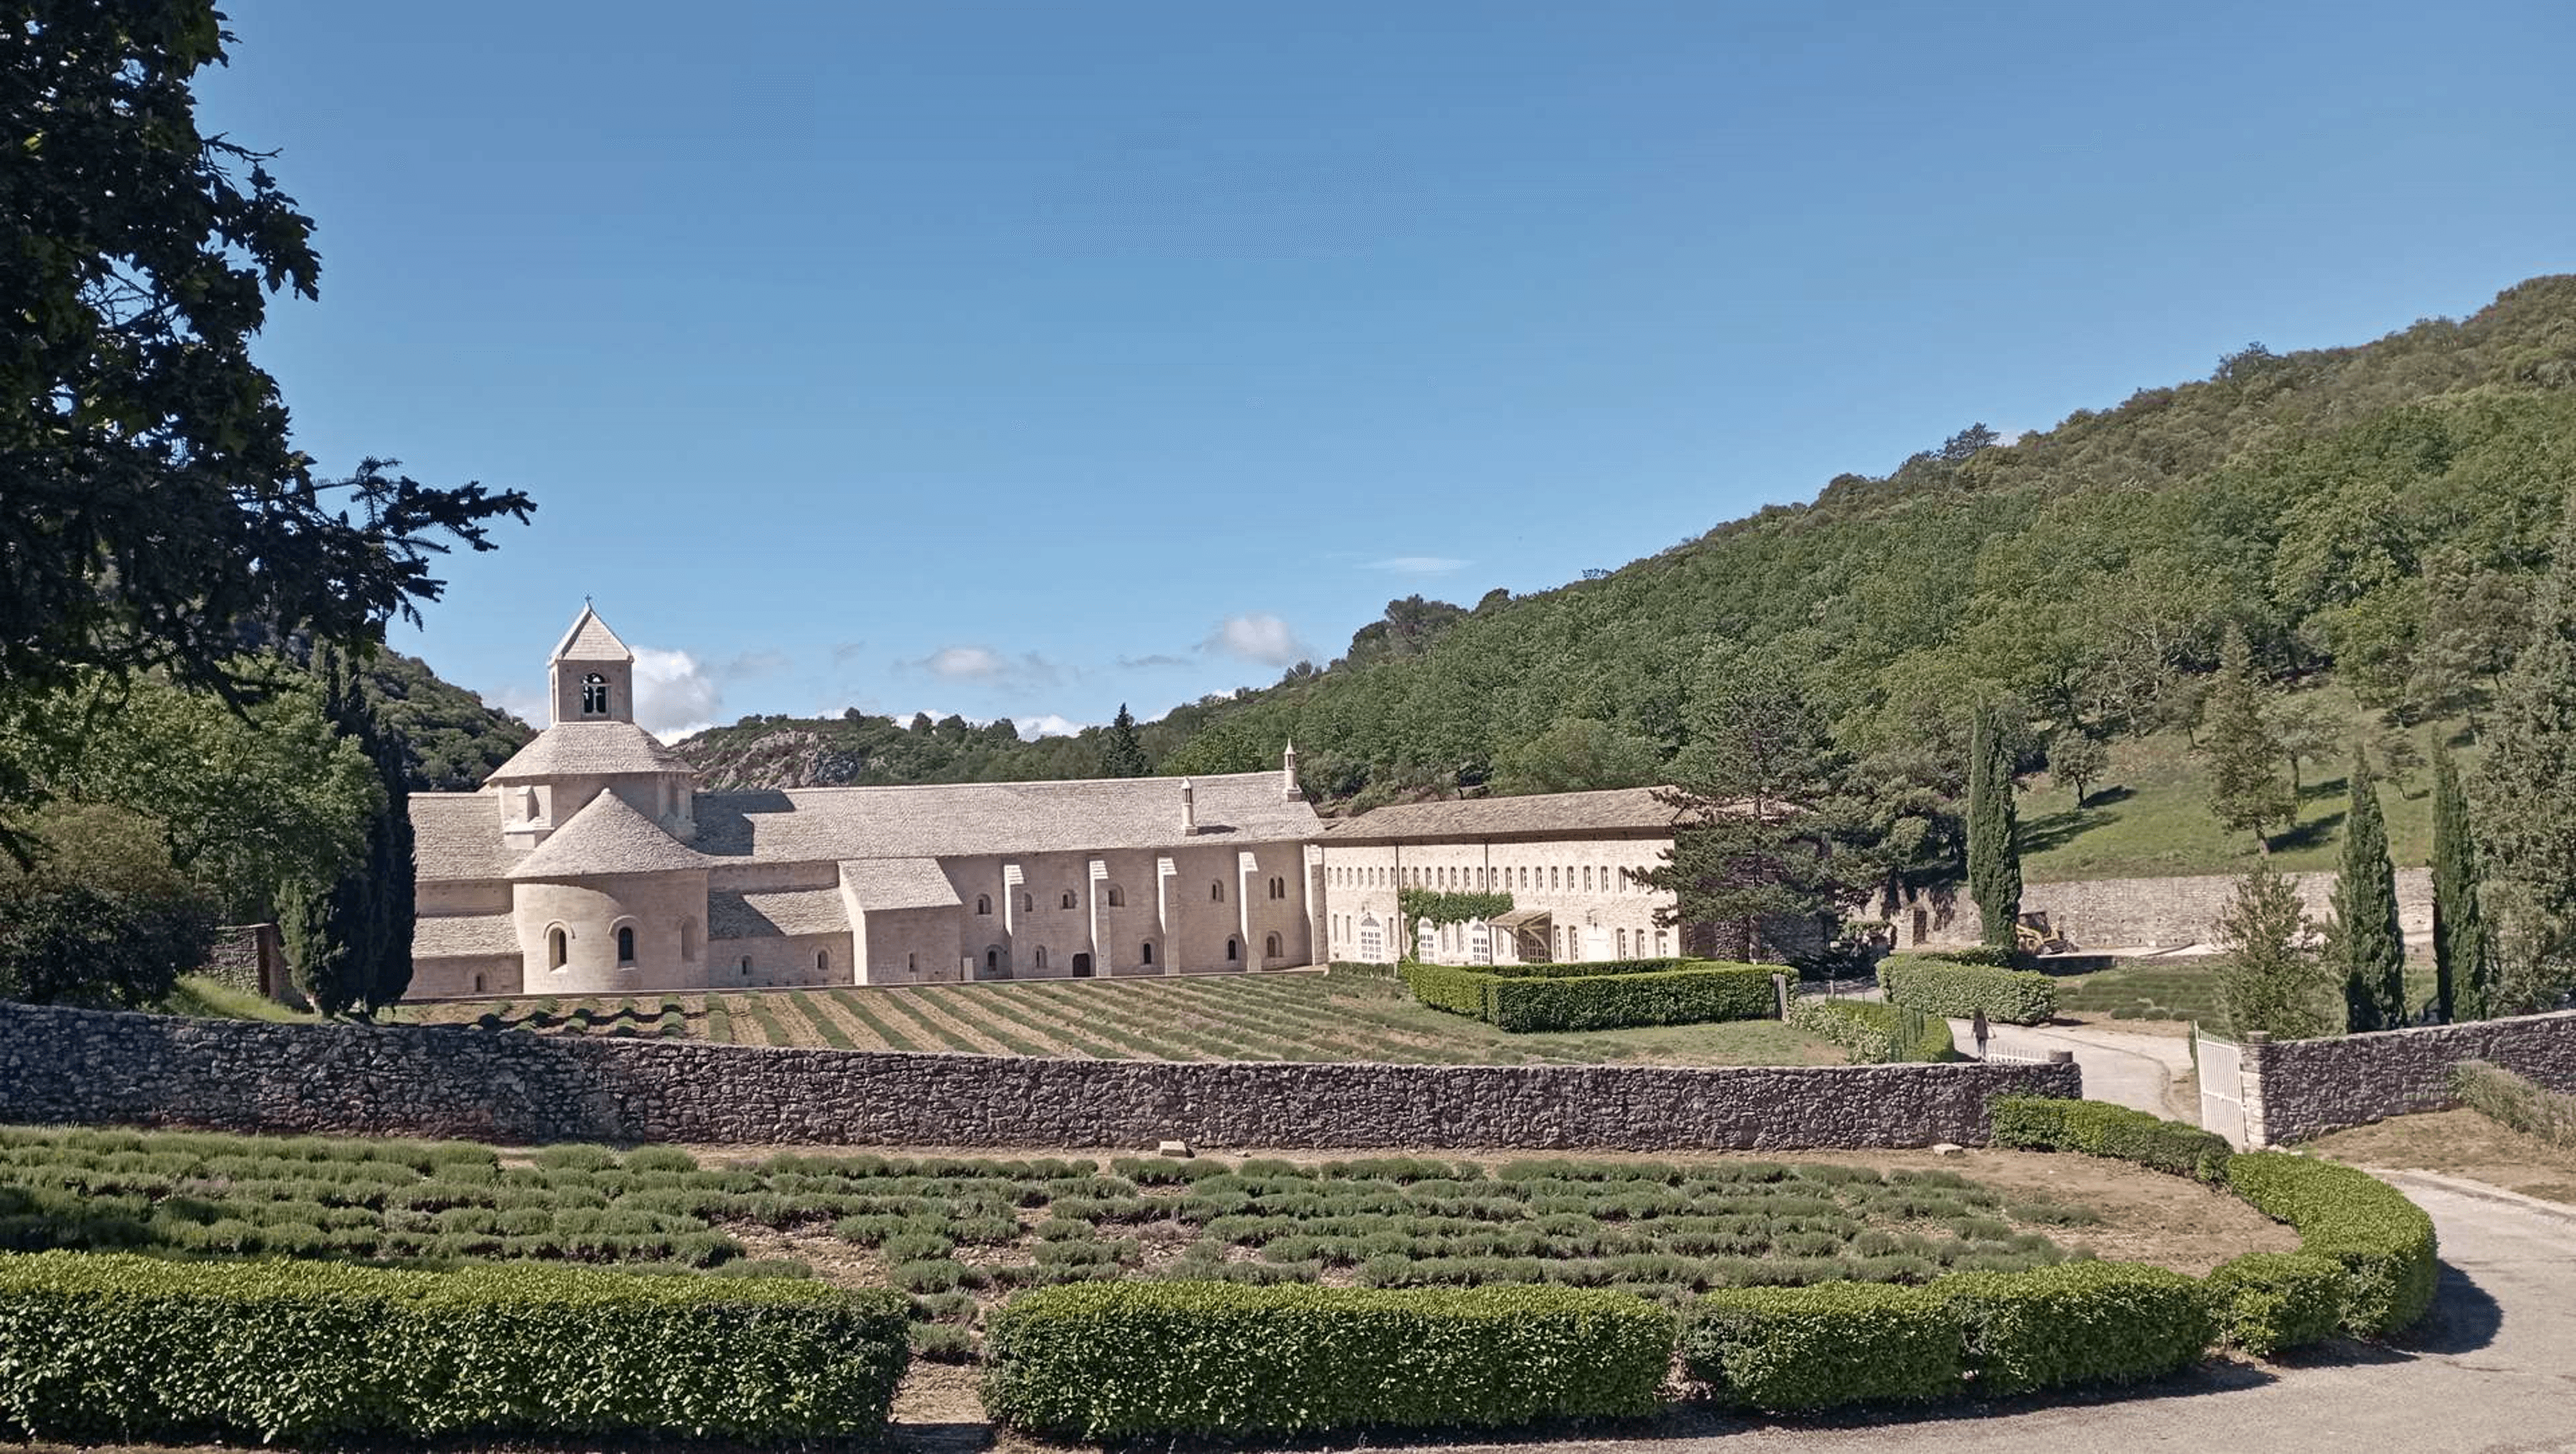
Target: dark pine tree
x=1994, y=854
x=1122, y=754
x=2367, y=940
x=350, y=939
x=2459, y=934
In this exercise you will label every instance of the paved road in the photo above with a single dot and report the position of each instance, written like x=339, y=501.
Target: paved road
x=2493, y=1368
x=2138, y=1071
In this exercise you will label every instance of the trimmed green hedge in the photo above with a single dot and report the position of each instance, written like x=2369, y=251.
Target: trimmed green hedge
x=1594, y=968
x=1945, y=987
x=2267, y=1302
x=1875, y=1033
x=1458, y=990
x=2383, y=1242
x=1985, y=954
x=1608, y=1002
x=2077, y=1323
x=109, y=1345
x=2098, y=1128
x=1106, y=1361
x=1787, y=1349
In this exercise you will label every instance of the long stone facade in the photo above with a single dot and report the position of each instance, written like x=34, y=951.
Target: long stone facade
x=2136, y=913
x=61, y=1066
x=2297, y=1090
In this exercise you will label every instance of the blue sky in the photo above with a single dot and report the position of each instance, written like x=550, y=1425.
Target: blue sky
x=1024, y=359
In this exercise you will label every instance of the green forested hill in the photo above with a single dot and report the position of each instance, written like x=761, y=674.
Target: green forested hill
x=2373, y=513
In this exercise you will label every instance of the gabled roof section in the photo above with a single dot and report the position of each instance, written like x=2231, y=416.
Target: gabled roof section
x=457, y=837
x=608, y=836
x=589, y=749
x=1536, y=815
x=775, y=913
x=898, y=883
x=940, y=820
x=591, y=640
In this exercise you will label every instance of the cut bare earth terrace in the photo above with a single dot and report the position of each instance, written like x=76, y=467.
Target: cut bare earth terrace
x=1307, y=1016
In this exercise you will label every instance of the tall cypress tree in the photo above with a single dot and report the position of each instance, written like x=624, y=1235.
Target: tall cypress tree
x=2247, y=793
x=2527, y=786
x=1994, y=852
x=350, y=939
x=1122, y=754
x=2367, y=940
x=2459, y=935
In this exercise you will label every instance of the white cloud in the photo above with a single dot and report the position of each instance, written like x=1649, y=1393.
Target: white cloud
x=1259, y=638
x=1420, y=565
x=529, y=707
x=964, y=661
x=674, y=695
x=1047, y=725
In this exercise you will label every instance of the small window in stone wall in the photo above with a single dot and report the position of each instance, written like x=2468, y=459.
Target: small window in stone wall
x=1233, y=951
x=1149, y=951
x=1115, y=897
x=745, y=968
x=1270, y=946
x=558, y=949
x=1216, y=892
x=1039, y=959
x=1069, y=899
x=1028, y=902
x=823, y=961
x=625, y=944
x=594, y=695
x=983, y=903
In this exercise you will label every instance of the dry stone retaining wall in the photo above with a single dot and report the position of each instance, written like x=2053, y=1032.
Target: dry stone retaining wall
x=2298, y=1089
x=2135, y=913
x=89, y=1066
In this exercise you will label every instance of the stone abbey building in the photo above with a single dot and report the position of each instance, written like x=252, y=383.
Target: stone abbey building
x=589, y=863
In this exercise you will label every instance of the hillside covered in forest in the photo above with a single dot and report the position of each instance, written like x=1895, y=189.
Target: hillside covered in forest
x=2372, y=515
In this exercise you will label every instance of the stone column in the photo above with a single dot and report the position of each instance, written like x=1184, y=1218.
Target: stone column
x=2251, y=1052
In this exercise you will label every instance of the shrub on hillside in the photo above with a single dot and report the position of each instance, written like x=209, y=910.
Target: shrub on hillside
x=118, y=1346
x=1875, y=1033
x=1944, y=987
x=1111, y=1361
x=2384, y=1242
x=2516, y=1102
x=2098, y=1128
x=1786, y=1349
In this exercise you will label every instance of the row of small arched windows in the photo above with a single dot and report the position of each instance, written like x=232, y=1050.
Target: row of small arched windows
x=559, y=944
x=1112, y=897
x=1552, y=878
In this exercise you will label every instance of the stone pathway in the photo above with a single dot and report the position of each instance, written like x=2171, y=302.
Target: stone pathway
x=2143, y=1072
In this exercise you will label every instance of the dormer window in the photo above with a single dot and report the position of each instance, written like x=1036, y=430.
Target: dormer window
x=594, y=695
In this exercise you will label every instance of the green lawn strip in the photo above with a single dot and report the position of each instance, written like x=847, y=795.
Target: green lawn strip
x=716, y=1021
x=789, y=1009
x=824, y=1022
x=858, y=1003
x=1289, y=1029
x=1163, y=1011
x=975, y=1010
x=1109, y=1014
x=1465, y=1042
x=926, y=1025
x=758, y=1008
x=1022, y=1009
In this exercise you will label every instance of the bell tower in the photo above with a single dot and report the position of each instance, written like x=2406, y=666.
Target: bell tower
x=591, y=677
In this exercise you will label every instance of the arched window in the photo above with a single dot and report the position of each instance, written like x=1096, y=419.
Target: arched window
x=1270, y=946
x=1278, y=887
x=823, y=961
x=1068, y=899
x=1216, y=892
x=1028, y=902
x=1372, y=938
x=1115, y=897
x=558, y=947
x=689, y=940
x=1149, y=951
x=625, y=944
x=1587, y=878
x=1233, y=951
x=1623, y=943
x=1040, y=959
x=993, y=960
x=744, y=968
x=594, y=695
x=983, y=903
x=1659, y=944
x=478, y=984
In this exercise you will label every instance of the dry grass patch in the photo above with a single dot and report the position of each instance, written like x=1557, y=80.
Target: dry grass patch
x=2459, y=1143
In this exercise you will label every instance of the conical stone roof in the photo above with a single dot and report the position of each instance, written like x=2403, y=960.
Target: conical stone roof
x=608, y=836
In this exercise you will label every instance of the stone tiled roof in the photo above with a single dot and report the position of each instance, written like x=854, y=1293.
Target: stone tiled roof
x=589, y=749
x=1536, y=815
x=768, y=914
x=457, y=836
x=591, y=640
x=805, y=824
x=899, y=883
x=463, y=934
x=607, y=836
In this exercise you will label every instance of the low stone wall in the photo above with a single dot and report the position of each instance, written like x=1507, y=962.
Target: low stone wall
x=2298, y=1089
x=2133, y=913
x=89, y=1066
x=249, y=958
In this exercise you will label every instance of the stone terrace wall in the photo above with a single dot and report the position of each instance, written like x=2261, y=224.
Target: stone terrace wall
x=2129, y=913
x=248, y=957
x=2298, y=1089
x=89, y=1066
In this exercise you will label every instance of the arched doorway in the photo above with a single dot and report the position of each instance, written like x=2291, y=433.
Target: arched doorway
x=1082, y=966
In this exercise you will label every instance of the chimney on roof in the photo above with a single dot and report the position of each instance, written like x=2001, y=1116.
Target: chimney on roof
x=1288, y=773
x=1189, y=809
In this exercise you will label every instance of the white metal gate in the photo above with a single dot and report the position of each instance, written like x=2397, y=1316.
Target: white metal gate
x=2222, y=1086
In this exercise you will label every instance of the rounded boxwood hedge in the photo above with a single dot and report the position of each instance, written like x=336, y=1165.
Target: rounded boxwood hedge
x=113, y=1345
x=1947, y=987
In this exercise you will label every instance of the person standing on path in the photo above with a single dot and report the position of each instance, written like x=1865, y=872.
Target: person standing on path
x=1977, y=1030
